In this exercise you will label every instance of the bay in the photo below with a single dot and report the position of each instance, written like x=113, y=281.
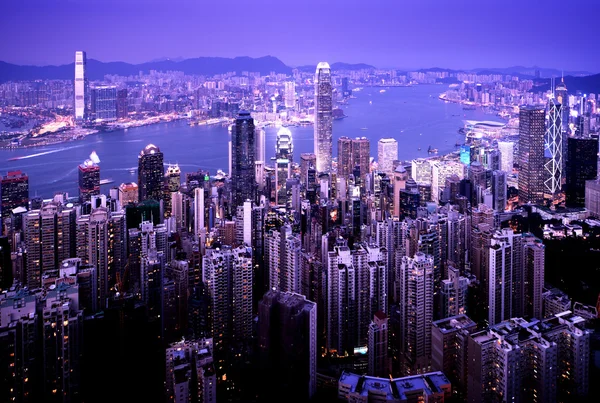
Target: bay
x=414, y=116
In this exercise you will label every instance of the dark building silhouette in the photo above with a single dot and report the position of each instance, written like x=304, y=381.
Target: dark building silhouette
x=243, y=175
x=532, y=129
x=288, y=345
x=14, y=189
x=122, y=106
x=582, y=165
x=151, y=173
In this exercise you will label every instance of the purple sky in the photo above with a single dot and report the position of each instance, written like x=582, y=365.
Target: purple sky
x=561, y=34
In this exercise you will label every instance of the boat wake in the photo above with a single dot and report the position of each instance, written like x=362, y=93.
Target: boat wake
x=24, y=157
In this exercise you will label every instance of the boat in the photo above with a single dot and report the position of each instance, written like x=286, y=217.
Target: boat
x=363, y=128
x=132, y=171
x=381, y=91
x=432, y=150
x=370, y=102
x=106, y=181
x=419, y=149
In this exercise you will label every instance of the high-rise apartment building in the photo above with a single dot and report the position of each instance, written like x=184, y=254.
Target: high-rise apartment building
x=387, y=153
x=287, y=340
x=528, y=361
x=415, y=278
x=454, y=291
x=227, y=274
x=89, y=180
x=243, y=148
x=323, y=117
x=81, y=90
x=49, y=235
x=532, y=130
x=449, y=338
x=14, y=192
x=101, y=242
x=150, y=173
x=356, y=289
x=282, y=255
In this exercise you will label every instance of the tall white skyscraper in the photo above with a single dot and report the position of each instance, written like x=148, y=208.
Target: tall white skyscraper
x=507, y=150
x=260, y=157
x=198, y=211
x=81, y=90
x=290, y=94
x=387, y=153
x=553, y=148
x=323, y=117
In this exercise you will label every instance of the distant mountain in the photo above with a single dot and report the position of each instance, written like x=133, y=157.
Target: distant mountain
x=587, y=85
x=351, y=66
x=97, y=69
x=337, y=66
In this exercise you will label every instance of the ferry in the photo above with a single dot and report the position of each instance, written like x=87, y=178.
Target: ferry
x=106, y=181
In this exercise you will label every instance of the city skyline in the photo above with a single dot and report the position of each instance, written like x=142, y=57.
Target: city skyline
x=468, y=37
x=378, y=235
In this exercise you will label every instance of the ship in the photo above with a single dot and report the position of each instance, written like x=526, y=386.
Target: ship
x=381, y=91
x=432, y=150
x=106, y=181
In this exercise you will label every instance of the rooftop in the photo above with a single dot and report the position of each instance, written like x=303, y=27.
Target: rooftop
x=453, y=323
x=398, y=388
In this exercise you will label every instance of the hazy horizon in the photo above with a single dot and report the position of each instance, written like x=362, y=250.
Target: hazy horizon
x=465, y=35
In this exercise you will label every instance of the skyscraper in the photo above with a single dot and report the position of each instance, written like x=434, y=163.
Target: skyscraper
x=14, y=190
x=532, y=128
x=378, y=346
x=582, y=165
x=323, y=117
x=290, y=94
x=287, y=339
x=104, y=103
x=307, y=160
x=353, y=153
x=81, y=91
x=243, y=149
x=150, y=173
x=387, y=153
x=554, y=148
x=506, y=149
x=284, y=154
x=199, y=226
x=89, y=180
